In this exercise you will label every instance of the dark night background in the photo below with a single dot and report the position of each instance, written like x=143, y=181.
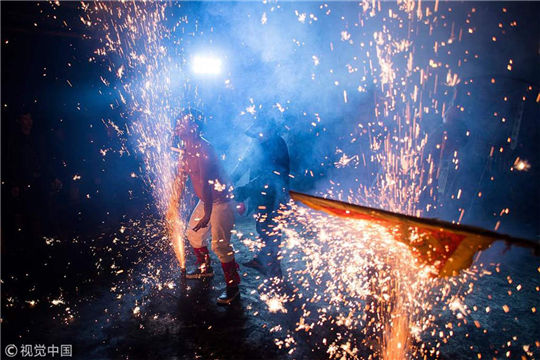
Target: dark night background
x=73, y=200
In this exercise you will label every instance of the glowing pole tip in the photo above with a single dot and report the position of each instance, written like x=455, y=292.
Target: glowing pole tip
x=206, y=65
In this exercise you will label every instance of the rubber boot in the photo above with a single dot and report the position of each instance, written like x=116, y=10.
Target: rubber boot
x=204, y=268
x=255, y=264
x=232, y=279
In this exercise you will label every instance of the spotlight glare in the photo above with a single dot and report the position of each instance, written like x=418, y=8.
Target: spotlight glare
x=206, y=65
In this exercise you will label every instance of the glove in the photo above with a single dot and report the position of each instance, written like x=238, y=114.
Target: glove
x=241, y=208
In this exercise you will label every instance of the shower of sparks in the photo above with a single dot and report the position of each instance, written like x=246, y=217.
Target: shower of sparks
x=362, y=292
x=355, y=289
x=134, y=40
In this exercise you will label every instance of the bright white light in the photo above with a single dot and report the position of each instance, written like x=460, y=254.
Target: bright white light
x=206, y=65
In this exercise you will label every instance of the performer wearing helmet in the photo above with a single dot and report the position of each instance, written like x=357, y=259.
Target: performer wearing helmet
x=214, y=212
x=267, y=191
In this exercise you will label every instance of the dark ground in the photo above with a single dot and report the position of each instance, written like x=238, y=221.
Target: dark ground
x=147, y=312
x=182, y=322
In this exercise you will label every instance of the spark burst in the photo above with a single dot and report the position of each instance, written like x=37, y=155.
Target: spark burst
x=135, y=42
